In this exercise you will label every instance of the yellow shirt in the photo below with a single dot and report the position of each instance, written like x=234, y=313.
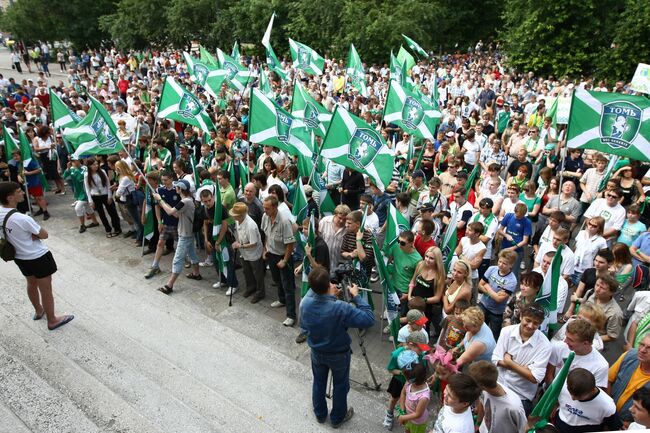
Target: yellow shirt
x=638, y=379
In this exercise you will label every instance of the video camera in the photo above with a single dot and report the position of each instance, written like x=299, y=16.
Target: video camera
x=345, y=275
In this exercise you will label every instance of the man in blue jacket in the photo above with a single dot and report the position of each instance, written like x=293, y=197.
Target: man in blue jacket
x=326, y=320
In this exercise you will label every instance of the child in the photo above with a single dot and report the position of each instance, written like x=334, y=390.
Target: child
x=453, y=330
x=207, y=157
x=417, y=344
x=496, y=286
x=456, y=415
x=415, y=398
x=591, y=179
x=632, y=227
x=372, y=220
x=415, y=323
x=530, y=283
x=82, y=207
x=505, y=412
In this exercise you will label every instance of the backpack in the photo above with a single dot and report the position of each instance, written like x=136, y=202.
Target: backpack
x=7, y=250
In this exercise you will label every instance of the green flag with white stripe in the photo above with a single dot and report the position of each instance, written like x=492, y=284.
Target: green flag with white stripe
x=406, y=59
x=205, y=75
x=449, y=240
x=353, y=143
x=314, y=115
x=179, y=104
x=396, y=223
x=299, y=209
x=265, y=85
x=415, y=47
x=611, y=123
x=236, y=74
x=235, y=51
x=208, y=58
x=547, y=296
x=355, y=72
x=305, y=58
x=306, y=265
x=62, y=116
x=410, y=112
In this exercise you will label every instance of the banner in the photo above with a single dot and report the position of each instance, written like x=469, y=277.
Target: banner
x=641, y=79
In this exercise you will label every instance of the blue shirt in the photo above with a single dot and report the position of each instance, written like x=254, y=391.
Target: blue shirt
x=327, y=319
x=642, y=243
x=380, y=205
x=517, y=228
x=498, y=283
x=630, y=232
x=171, y=197
x=485, y=336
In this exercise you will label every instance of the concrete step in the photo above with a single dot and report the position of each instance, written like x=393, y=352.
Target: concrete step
x=9, y=422
x=155, y=362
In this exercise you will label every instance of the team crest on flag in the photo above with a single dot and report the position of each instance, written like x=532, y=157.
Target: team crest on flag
x=620, y=122
x=283, y=127
x=104, y=137
x=303, y=57
x=364, y=146
x=231, y=69
x=189, y=107
x=201, y=72
x=311, y=115
x=412, y=112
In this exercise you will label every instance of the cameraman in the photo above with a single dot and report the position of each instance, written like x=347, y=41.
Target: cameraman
x=326, y=320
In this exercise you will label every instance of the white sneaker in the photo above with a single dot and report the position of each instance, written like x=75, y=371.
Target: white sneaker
x=216, y=285
x=205, y=264
x=388, y=421
x=288, y=321
x=276, y=304
x=231, y=291
x=386, y=330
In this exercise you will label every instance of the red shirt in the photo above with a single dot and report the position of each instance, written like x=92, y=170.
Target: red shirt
x=422, y=246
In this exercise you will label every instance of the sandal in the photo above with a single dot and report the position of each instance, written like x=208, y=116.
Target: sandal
x=196, y=277
x=166, y=289
x=109, y=235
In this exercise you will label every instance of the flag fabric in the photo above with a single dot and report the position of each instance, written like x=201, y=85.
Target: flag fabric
x=235, y=51
x=406, y=59
x=195, y=172
x=306, y=58
x=397, y=70
x=449, y=240
x=206, y=75
x=265, y=85
x=611, y=123
x=471, y=180
x=273, y=126
x=551, y=112
x=266, y=39
x=391, y=299
x=612, y=166
x=178, y=103
x=353, y=143
x=306, y=265
x=208, y=58
x=95, y=134
x=149, y=217
x=62, y=116
x=547, y=296
x=326, y=204
x=355, y=72
x=414, y=46
x=299, y=209
x=11, y=145
x=222, y=257
x=314, y=115
x=396, y=223
x=274, y=64
x=410, y=112
x=236, y=74
x=548, y=401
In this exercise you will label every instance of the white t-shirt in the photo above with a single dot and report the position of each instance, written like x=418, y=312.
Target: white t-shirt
x=450, y=422
x=585, y=413
x=614, y=216
x=404, y=332
x=20, y=229
x=472, y=148
x=586, y=248
x=593, y=361
x=469, y=251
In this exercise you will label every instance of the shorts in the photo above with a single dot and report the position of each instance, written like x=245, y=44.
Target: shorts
x=169, y=232
x=36, y=191
x=42, y=267
x=395, y=387
x=415, y=428
x=83, y=208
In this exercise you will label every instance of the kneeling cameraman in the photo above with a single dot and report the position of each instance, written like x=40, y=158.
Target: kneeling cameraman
x=326, y=320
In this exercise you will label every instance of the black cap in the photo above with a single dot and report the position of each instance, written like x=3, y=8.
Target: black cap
x=486, y=202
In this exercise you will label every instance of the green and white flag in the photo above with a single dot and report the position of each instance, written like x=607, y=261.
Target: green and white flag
x=326, y=204
x=235, y=51
x=178, y=103
x=265, y=85
x=449, y=240
x=149, y=217
x=396, y=223
x=208, y=58
x=206, y=75
x=306, y=265
x=266, y=39
x=612, y=166
x=11, y=145
x=305, y=58
x=397, y=71
x=544, y=408
x=355, y=72
x=406, y=59
x=314, y=115
x=410, y=112
x=222, y=257
x=270, y=125
x=414, y=46
x=95, y=134
x=547, y=296
x=236, y=74
x=299, y=209
x=62, y=116
x=271, y=59
x=611, y=123
x=391, y=299
x=471, y=180
x=353, y=143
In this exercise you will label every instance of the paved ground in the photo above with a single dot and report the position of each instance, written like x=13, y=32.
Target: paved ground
x=134, y=360
x=7, y=71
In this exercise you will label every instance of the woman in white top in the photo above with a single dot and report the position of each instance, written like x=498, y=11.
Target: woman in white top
x=99, y=191
x=588, y=242
x=126, y=193
x=45, y=147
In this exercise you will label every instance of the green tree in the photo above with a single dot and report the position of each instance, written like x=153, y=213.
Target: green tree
x=137, y=24
x=33, y=20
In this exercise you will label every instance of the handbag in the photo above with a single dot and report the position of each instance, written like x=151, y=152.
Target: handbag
x=7, y=250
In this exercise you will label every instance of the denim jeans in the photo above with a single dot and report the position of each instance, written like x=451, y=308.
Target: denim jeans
x=286, y=282
x=185, y=247
x=339, y=365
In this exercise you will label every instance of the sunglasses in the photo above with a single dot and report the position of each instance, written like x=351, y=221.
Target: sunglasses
x=612, y=196
x=403, y=243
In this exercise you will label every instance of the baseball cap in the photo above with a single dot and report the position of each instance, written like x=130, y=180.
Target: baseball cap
x=500, y=100
x=418, y=173
x=427, y=207
x=418, y=338
x=417, y=317
x=182, y=184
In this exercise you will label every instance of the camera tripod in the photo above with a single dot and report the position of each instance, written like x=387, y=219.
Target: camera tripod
x=376, y=386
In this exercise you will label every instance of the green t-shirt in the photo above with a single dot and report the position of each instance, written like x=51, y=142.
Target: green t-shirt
x=392, y=363
x=530, y=202
x=76, y=176
x=402, y=267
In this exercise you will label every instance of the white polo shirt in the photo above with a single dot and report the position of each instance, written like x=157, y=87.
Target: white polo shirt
x=533, y=354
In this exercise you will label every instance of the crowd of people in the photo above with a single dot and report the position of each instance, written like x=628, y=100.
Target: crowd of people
x=474, y=344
